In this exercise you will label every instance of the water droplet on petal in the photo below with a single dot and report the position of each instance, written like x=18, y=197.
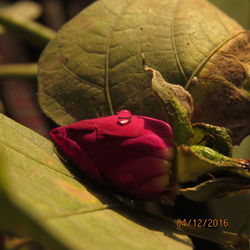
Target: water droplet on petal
x=124, y=117
x=124, y=121
x=125, y=177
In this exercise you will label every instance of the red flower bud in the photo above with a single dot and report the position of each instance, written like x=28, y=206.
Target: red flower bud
x=130, y=154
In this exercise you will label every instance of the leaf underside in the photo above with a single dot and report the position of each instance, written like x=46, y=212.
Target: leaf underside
x=41, y=198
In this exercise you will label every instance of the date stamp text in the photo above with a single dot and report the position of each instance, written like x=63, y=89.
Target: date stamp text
x=200, y=223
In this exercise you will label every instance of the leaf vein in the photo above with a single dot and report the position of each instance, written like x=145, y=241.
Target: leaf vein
x=106, y=84
x=172, y=32
x=76, y=76
x=27, y=156
x=199, y=67
x=81, y=212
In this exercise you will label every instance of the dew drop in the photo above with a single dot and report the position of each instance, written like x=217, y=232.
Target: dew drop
x=123, y=121
x=124, y=117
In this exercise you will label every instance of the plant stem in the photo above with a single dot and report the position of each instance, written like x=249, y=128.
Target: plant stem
x=32, y=31
x=28, y=70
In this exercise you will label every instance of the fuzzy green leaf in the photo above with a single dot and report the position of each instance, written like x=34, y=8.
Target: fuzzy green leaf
x=217, y=138
x=177, y=105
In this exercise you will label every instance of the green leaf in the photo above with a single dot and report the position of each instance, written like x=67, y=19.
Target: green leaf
x=243, y=151
x=176, y=103
x=41, y=198
x=94, y=67
x=217, y=138
x=203, y=173
x=214, y=189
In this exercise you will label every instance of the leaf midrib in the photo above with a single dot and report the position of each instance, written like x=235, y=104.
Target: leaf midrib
x=174, y=47
x=74, y=75
x=107, y=53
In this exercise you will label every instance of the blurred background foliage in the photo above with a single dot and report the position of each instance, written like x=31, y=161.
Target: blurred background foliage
x=18, y=100
x=237, y=9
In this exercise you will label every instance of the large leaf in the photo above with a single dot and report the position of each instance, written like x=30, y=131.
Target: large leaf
x=94, y=67
x=41, y=198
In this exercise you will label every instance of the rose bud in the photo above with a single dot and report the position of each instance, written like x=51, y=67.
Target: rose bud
x=132, y=155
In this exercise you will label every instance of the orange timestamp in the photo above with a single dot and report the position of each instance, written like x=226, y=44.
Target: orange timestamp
x=200, y=223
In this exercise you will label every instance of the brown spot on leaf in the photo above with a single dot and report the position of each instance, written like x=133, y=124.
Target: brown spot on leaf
x=49, y=162
x=79, y=193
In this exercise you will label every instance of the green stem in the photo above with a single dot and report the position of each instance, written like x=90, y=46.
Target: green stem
x=30, y=30
x=28, y=70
